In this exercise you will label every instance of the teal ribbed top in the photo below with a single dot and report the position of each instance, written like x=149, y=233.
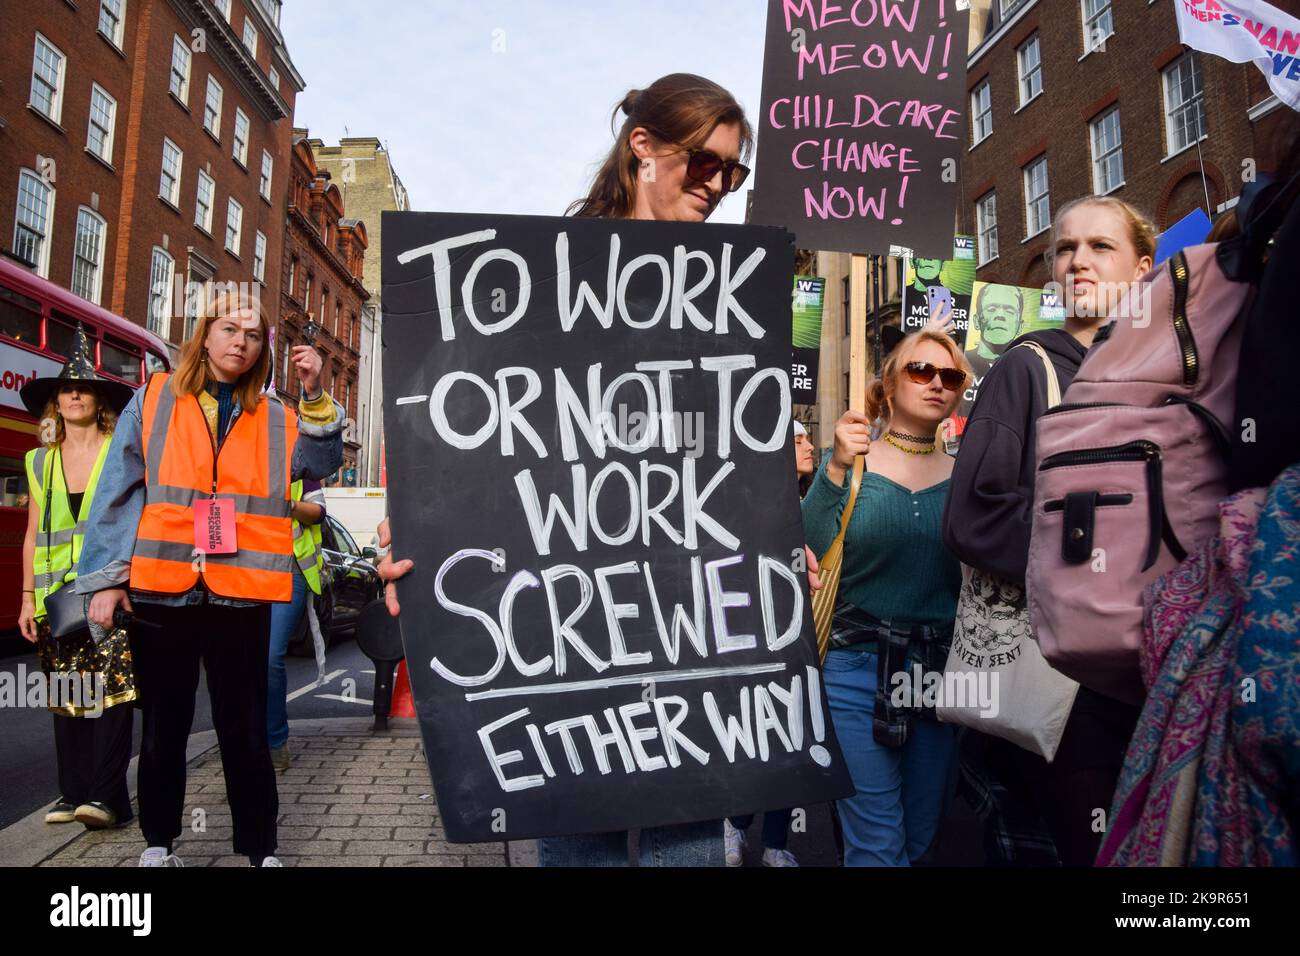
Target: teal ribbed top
x=895, y=564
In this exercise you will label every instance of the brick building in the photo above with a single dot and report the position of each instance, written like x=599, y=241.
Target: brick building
x=324, y=261
x=145, y=144
x=1070, y=98
x=363, y=170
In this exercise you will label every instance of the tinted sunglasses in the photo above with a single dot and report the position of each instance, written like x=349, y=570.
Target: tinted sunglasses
x=703, y=165
x=923, y=373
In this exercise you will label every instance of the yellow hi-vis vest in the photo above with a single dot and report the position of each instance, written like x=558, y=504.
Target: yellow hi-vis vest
x=307, y=546
x=56, y=556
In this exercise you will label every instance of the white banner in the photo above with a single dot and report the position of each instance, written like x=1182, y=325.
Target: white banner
x=1247, y=31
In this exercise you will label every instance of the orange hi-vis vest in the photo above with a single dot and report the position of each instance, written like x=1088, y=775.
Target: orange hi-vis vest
x=182, y=465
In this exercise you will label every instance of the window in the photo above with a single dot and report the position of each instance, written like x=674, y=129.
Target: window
x=1029, y=59
x=32, y=221
x=259, y=257
x=103, y=120
x=203, y=202
x=1038, y=215
x=161, y=270
x=110, y=20
x=224, y=7
x=234, y=223
x=986, y=222
x=981, y=112
x=120, y=359
x=264, y=187
x=212, y=107
x=196, y=289
x=273, y=77
x=169, y=187
x=293, y=274
x=1098, y=24
x=306, y=293
x=20, y=317
x=284, y=378
x=88, y=255
x=250, y=37
x=1107, y=153
x=61, y=333
x=1184, y=103
x=342, y=538
x=1008, y=6
x=48, y=66
x=338, y=318
x=180, y=79
x=240, y=152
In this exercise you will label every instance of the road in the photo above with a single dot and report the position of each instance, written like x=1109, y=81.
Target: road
x=27, y=735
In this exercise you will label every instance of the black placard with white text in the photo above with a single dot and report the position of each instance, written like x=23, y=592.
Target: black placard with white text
x=587, y=425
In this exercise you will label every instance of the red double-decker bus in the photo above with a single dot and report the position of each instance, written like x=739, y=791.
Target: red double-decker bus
x=37, y=323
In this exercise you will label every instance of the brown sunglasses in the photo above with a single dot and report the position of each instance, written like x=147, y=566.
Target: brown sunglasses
x=923, y=373
x=704, y=164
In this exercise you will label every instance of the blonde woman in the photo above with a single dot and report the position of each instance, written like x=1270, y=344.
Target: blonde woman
x=1101, y=246
x=193, y=517
x=896, y=602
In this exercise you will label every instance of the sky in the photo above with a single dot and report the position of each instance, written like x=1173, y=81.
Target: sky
x=503, y=106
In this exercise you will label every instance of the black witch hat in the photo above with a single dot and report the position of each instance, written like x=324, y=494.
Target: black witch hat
x=79, y=370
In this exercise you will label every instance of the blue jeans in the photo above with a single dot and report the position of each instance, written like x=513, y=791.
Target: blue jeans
x=685, y=844
x=284, y=621
x=901, y=792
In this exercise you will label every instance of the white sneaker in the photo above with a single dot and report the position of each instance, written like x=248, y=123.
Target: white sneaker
x=158, y=856
x=733, y=844
x=779, y=858
x=271, y=861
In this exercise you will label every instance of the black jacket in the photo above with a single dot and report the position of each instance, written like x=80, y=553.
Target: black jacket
x=986, y=520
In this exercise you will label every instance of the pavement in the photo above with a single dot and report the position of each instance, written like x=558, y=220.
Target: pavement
x=353, y=796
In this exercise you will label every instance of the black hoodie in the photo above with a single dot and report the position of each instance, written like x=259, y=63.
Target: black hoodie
x=986, y=520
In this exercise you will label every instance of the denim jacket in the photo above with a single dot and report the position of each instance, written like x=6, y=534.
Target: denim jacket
x=120, y=495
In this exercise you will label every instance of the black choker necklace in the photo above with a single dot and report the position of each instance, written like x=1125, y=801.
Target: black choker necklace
x=920, y=440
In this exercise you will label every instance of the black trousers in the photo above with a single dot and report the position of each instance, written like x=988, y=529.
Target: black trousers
x=93, y=754
x=232, y=644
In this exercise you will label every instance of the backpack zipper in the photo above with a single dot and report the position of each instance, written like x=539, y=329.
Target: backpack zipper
x=1073, y=405
x=1158, y=527
x=1186, y=342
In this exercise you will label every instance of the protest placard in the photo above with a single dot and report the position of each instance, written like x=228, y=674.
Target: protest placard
x=588, y=434
x=808, y=305
x=861, y=123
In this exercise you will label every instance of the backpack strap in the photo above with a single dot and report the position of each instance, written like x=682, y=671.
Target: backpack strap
x=1053, y=383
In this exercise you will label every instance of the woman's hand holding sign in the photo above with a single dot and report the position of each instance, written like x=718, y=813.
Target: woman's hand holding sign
x=390, y=570
x=852, y=438
x=307, y=363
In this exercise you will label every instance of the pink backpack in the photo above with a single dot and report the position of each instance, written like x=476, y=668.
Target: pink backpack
x=1132, y=466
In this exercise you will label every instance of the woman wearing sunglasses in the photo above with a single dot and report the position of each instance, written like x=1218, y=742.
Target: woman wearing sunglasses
x=676, y=155
x=1101, y=246
x=897, y=598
